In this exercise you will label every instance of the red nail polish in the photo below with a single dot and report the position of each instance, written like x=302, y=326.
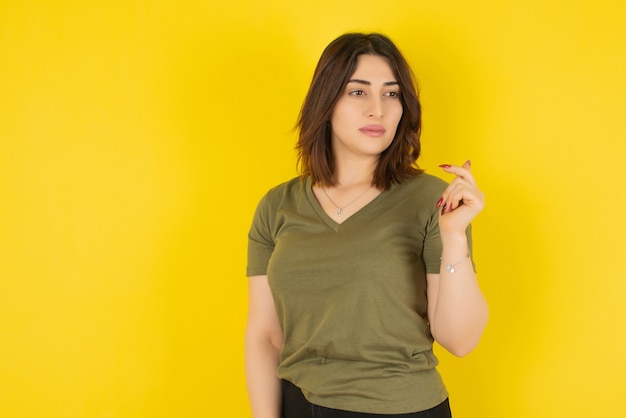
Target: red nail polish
x=445, y=165
x=439, y=202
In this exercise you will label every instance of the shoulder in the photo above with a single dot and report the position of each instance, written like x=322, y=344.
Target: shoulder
x=292, y=187
x=271, y=203
x=425, y=185
x=278, y=195
x=417, y=195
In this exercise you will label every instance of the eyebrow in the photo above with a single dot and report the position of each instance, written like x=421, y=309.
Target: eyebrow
x=368, y=83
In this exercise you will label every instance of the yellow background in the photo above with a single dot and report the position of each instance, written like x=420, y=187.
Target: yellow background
x=137, y=136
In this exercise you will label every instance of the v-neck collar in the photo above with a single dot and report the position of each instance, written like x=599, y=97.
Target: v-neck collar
x=327, y=219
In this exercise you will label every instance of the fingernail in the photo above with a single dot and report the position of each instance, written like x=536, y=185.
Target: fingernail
x=439, y=202
x=469, y=162
x=445, y=208
x=445, y=165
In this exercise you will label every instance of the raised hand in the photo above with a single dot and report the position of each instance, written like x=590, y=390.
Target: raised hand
x=461, y=201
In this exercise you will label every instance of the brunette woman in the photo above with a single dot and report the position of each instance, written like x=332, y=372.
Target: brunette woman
x=359, y=264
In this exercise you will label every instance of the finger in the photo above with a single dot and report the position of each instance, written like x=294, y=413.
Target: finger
x=460, y=193
x=471, y=199
x=461, y=172
x=467, y=165
x=451, y=190
x=454, y=200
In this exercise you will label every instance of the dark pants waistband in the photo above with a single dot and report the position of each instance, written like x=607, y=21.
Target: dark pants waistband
x=295, y=405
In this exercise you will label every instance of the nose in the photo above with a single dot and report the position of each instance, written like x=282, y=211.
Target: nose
x=375, y=109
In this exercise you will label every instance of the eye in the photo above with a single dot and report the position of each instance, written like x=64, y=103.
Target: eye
x=356, y=93
x=393, y=94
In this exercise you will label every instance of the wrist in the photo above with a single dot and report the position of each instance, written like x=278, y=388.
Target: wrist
x=452, y=266
x=453, y=239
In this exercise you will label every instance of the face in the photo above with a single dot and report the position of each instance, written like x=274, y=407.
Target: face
x=366, y=116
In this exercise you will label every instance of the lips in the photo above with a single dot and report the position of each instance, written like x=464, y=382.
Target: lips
x=373, y=130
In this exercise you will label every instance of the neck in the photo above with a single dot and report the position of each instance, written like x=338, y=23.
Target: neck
x=348, y=173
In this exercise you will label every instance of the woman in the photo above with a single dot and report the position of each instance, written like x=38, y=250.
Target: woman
x=359, y=264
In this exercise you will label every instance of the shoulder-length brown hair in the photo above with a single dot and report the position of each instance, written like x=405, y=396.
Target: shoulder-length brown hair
x=334, y=69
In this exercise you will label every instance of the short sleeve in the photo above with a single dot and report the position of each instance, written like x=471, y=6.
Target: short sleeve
x=260, y=239
x=432, y=245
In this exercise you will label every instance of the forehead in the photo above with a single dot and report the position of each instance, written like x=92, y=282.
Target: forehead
x=373, y=67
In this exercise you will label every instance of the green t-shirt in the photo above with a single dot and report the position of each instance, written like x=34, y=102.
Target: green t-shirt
x=351, y=297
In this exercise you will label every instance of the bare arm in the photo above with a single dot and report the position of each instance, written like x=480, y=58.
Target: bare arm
x=263, y=341
x=457, y=309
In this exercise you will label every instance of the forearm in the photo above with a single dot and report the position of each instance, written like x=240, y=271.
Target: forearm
x=264, y=390
x=461, y=312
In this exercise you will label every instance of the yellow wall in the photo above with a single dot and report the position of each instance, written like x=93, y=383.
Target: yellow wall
x=137, y=136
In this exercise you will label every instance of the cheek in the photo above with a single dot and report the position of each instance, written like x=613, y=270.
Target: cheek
x=400, y=112
x=393, y=111
x=339, y=114
x=397, y=117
